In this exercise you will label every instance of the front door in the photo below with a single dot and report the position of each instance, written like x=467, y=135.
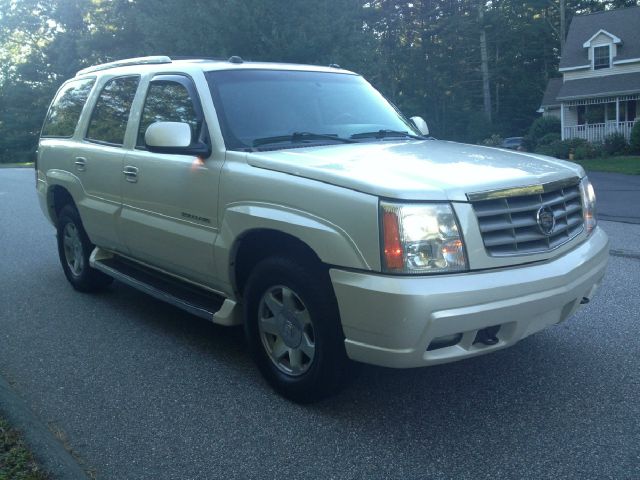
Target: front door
x=169, y=215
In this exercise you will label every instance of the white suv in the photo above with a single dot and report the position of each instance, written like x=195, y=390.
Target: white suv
x=297, y=201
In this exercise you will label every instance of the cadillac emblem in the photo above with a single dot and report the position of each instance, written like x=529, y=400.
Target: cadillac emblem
x=546, y=220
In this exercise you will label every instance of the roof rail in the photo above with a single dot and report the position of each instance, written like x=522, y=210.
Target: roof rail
x=127, y=61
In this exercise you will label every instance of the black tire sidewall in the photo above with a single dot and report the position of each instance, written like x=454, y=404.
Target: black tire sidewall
x=89, y=279
x=325, y=375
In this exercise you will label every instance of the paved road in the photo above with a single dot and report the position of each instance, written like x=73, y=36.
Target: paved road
x=618, y=196
x=140, y=390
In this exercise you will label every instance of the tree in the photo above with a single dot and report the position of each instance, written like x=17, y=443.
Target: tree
x=458, y=63
x=486, y=88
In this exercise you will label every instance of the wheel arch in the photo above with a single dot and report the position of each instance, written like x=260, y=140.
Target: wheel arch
x=257, y=244
x=63, y=188
x=57, y=197
x=250, y=233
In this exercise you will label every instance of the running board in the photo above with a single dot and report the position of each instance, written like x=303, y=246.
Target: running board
x=188, y=297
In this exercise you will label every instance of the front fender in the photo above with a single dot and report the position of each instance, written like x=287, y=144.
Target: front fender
x=332, y=244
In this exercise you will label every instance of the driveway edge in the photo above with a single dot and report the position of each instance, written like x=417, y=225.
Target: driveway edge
x=47, y=449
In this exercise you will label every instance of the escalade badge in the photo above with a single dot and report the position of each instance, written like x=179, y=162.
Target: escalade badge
x=546, y=220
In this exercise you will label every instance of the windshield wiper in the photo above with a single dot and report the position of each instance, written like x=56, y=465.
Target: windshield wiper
x=300, y=137
x=386, y=134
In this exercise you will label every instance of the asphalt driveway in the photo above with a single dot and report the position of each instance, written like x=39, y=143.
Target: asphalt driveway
x=618, y=196
x=140, y=390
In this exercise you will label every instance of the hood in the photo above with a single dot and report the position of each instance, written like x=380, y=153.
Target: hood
x=416, y=170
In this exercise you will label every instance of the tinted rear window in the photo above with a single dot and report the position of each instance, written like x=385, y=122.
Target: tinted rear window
x=66, y=108
x=111, y=113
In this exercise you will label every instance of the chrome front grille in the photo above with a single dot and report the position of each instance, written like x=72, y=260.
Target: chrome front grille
x=509, y=219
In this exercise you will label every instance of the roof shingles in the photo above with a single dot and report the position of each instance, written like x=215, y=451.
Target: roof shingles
x=625, y=84
x=624, y=23
x=550, y=98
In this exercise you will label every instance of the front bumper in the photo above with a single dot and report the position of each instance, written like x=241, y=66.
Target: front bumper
x=391, y=321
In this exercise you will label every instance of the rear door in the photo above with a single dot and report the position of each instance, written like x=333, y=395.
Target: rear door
x=169, y=216
x=58, y=139
x=98, y=161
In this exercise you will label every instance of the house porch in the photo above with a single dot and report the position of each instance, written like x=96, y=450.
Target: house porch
x=593, y=119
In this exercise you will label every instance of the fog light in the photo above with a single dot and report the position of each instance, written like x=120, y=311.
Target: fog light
x=446, y=341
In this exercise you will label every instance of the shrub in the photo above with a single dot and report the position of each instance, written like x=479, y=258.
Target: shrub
x=549, y=138
x=615, y=144
x=494, y=140
x=539, y=128
x=562, y=148
x=634, y=141
x=558, y=149
x=576, y=142
x=587, y=151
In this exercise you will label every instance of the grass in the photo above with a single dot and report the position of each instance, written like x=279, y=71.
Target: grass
x=16, y=461
x=629, y=165
x=16, y=165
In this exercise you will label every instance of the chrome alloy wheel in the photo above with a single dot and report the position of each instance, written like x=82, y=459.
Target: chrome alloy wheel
x=73, y=253
x=286, y=330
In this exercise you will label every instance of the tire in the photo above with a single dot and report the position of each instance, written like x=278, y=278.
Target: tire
x=74, y=249
x=293, y=330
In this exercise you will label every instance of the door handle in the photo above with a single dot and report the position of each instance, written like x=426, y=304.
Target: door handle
x=81, y=164
x=131, y=174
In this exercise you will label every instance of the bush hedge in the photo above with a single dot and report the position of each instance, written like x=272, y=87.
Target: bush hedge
x=494, y=140
x=549, y=138
x=588, y=151
x=562, y=148
x=540, y=128
x=634, y=141
x=615, y=144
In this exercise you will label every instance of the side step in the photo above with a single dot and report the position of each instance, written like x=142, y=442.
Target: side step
x=188, y=297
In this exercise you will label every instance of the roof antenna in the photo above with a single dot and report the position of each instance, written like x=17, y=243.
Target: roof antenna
x=235, y=59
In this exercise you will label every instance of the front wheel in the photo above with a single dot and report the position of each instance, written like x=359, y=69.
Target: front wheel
x=74, y=249
x=293, y=329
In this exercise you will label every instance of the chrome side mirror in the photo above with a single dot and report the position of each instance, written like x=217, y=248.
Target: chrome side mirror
x=421, y=125
x=168, y=134
x=174, y=138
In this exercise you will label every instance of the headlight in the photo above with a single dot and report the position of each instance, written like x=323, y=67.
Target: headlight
x=588, y=205
x=421, y=238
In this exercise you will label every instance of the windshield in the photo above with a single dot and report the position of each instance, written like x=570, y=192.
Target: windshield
x=282, y=108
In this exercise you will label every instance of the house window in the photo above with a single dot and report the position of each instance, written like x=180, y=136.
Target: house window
x=610, y=112
x=631, y=110
x=590, y=114
x=601, y=57
x=627, y=111
x=582, y=110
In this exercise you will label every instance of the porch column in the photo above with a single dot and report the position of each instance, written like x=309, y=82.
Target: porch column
x=617, y=112
x=562, y=120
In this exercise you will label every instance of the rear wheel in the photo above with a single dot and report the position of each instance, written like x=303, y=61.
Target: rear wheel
x=293, y=329
x=74, y=249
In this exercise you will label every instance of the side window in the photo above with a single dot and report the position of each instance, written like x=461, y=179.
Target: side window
x=111, y=113
x=66, y=108
x=169, y=101
x=601, y=57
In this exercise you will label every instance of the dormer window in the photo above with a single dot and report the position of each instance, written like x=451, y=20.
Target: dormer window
x=601, y=57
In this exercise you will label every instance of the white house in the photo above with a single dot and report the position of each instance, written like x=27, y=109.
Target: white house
x=599, y=92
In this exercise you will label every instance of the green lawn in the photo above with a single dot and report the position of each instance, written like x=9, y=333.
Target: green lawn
x=17, y=165
x=629, y=165
x=16, y=461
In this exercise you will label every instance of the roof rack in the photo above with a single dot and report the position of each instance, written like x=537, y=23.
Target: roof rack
x=158, y=59
x=197, y=58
